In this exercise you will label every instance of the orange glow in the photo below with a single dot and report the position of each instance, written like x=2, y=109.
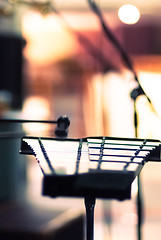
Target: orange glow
x=47, y=39
x=36, y=108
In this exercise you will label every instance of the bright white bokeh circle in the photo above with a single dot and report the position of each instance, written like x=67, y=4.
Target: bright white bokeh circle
x=129, y=14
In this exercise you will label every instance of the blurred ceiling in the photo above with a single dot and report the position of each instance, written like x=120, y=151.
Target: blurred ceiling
x=145, y=6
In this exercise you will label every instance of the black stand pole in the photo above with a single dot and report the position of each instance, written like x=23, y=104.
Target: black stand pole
x=139, y=209
x=139, y=195
x=89, y=204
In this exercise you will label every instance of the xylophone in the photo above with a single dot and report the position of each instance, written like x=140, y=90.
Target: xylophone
x=92, y=167
x=102, y=167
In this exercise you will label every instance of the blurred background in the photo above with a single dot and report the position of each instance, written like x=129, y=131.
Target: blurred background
x=56, y=60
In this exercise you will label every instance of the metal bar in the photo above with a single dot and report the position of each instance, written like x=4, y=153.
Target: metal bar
x=89, y=204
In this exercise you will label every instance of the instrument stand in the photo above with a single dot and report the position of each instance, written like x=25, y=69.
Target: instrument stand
x=90, y=205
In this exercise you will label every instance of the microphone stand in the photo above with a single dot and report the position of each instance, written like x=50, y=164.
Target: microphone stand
x=134, y=94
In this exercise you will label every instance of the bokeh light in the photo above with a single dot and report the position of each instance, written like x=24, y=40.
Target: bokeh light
x=129, y=14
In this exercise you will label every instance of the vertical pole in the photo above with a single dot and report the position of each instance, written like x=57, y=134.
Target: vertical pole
x=89, y=204
x=139, y=195
x=139, y=210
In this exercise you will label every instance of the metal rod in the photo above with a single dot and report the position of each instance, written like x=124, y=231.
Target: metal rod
x=89, y=204
x=139, y=193
x=26, y=121
x=139, y=210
